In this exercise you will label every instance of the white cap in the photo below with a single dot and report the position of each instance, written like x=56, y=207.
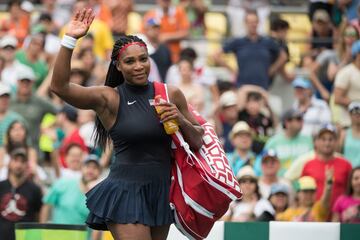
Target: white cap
x=27, y=6
x=25, y=72
x=4, y=89
x=228, y=98
x=8, y=40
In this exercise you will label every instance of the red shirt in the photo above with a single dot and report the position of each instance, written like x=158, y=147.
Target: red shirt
x=316, y=168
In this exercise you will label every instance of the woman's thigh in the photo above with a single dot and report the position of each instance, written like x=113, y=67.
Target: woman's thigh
x=129, y=231
x=159, y=233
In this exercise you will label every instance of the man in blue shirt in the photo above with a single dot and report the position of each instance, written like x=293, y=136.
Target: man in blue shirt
x=258, y=58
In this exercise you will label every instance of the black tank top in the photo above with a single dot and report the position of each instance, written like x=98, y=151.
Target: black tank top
x=138, y=136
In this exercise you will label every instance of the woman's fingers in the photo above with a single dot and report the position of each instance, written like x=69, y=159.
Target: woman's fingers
x=88, y=13
x=77, y=15
x=82, y=15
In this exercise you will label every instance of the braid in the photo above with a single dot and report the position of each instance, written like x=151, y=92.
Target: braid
x=113, y=79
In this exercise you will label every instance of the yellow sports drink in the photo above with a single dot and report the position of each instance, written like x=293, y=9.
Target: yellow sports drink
x=170, y=126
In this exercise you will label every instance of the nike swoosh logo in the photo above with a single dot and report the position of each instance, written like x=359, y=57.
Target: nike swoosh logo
x=131, y=103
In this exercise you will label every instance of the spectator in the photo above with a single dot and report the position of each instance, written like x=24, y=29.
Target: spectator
x=174, y=25
x=270, y=166
x=18, y=21
x=32, y=55
x=119, y=11
x=251, y=113
x=66, y=198
x=316, y=112
x=243, y=210
x=20, y=198
x=8, y=45
x=29, y=105
x=291, y=143
x=350, y=8
x=241, y=138
x=329, y=62
x=349, y=142
x=67, y=121
x=45, y=25
x=277, y=202
x=226, y=117
x=308, y=209
x=7, y=116
x=258, y=58
x=322, y=32
x=86, y=122
x=347, y=86
x=296, y=168
x=315, y=5
x=347, y=206
x=342, y=57
x=202, y=75
x=74, y=155
x=158, y=51
x=16, y=136
x=356, y=21
x=278, y=33
x=324, y=159
x=196, y=11
x=193, y=92
x=236, y=10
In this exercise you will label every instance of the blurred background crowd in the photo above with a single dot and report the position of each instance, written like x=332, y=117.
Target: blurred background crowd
x=279, y=79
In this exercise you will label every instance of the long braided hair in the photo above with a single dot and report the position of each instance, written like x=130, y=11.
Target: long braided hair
x=114, y=78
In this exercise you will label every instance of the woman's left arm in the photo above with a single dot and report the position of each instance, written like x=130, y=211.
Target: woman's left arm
x=177, y=110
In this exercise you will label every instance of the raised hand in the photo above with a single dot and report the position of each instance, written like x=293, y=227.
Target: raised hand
x=329, y=173
x=80, y=23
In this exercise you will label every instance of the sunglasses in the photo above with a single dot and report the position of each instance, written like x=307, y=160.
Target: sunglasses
x=247, y=180
x=355, y=111
x=295, y=118
x=350, y=34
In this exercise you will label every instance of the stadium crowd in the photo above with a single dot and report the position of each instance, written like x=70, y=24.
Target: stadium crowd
x=291, y=135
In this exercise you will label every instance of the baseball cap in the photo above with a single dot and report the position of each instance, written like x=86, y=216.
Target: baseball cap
x=19, y=151
x=151, y=22
x=321, y=15
x=306, y=183
x=291, y=113
x=27, y=6
x=8, y=40
x=327, y=128
x=92, y=158
x=355, y=48
x=240, y=127
x=25, y=72
x=228, y=99
x=279, y=188
x=4, y=89
x=70, y=112
x=302, y=82
x=269, y=153
x=355, y=105
x=246, y=172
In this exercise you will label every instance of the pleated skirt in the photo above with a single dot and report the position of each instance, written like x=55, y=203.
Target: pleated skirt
x=131, y=194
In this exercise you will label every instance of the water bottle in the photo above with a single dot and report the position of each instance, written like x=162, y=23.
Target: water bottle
x=170, y=126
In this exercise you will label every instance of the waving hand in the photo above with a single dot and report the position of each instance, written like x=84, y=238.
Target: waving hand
x=80, y=23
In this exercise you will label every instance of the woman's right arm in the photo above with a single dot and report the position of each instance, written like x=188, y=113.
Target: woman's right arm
x=81, y=97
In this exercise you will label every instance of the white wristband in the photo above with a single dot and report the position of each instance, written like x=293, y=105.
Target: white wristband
x=68, y=42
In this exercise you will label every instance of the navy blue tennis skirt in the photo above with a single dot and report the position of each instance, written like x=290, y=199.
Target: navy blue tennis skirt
x=131, y=194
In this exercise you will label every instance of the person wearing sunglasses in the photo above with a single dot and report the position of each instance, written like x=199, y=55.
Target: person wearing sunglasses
x=349, y=142
x=243, y=210
x=290, y=143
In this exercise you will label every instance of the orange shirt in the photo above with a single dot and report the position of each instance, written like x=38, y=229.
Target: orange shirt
x=19, y=29
x=175, y=20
